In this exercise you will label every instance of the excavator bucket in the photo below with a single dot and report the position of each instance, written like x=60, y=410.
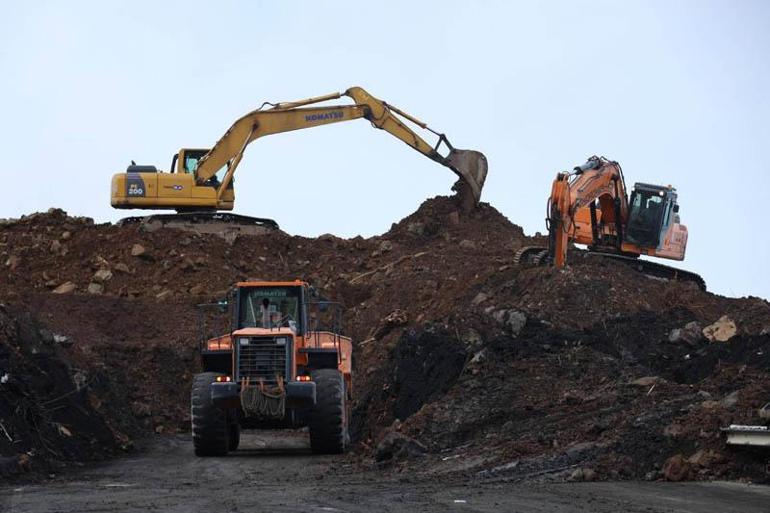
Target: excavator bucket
x=471, y=166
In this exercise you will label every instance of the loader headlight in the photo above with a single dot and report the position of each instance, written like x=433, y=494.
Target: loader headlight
x=280, y=341
x=244, y=341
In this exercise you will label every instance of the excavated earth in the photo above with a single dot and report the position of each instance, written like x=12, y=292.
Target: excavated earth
x=466, y=365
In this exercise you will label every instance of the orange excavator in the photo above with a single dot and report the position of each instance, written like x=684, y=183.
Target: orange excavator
x=590, y=206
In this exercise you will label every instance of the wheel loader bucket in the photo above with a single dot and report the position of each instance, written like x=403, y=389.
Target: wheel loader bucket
x=471, y=166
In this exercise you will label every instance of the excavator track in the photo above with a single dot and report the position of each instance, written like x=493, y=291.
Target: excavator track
x=654, y=269
x=538, y=255
x=530, y=255
x=224, y=224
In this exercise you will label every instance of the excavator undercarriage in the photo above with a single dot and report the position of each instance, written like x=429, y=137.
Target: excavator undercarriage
x=539, y=255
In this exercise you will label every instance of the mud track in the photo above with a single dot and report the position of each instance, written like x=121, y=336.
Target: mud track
x=276, y=472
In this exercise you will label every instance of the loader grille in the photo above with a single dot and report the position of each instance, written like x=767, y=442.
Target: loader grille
x=263, y=358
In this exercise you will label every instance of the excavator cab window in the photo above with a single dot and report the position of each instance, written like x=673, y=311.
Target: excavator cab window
x=646, y=217
x=191, y=163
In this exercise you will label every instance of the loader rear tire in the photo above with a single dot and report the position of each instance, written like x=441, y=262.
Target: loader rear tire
x=234, y=434
x=210, y=431
x=328, y=419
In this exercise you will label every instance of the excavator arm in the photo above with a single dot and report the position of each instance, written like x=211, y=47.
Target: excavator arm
x=597, y=179
x=470, y=166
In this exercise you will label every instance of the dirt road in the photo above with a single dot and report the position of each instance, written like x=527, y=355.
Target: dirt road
x=277, y=473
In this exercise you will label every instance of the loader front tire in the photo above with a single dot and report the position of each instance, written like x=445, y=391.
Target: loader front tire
x=210, y=431
x=328, y=419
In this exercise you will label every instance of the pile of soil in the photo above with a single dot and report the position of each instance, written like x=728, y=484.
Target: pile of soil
x=485, y=366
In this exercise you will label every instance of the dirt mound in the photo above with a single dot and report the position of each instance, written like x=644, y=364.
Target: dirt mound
x=50, y=411
x=534, y=371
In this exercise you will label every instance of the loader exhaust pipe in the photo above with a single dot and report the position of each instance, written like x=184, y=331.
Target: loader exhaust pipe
x=471, y=166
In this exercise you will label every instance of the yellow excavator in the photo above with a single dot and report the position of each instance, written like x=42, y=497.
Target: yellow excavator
x=200, y=181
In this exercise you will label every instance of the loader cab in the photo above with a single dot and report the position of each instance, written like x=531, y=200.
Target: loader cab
x=271, y=306
x=652, y=210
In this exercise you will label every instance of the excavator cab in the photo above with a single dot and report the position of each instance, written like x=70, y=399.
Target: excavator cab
x=653, y=221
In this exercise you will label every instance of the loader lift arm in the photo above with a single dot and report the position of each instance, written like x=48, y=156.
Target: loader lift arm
x=470, y=166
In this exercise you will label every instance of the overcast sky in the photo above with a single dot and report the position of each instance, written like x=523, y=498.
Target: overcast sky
x=676, y=91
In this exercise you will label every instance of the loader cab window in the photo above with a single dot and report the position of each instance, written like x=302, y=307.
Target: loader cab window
x=645, y=217
x=270, y=307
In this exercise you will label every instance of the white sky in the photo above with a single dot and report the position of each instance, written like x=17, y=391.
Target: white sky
x=676, y=91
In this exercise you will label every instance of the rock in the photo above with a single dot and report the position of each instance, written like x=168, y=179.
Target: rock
x=730, y=400
x=187, y=264
x=13, y=262
x=396, y=445
x=65, y=288
x=472, y=338
x=705, y=458
x=137, y=250
x=467, y=244
x=416, y=228
x=480, y=298
x=102, y=275
x=164, y=294
x=582, y=474
x=62, y=340
x=454, y=218
x=140, y=409
x=197, y=290
x=121, y=268
x=57, y=248
x=677, y=468
x=691, y=334
x=66, y=236
x=721, y=331
x=646, y=381
x=765, y=331
x=511, y=319
x=478, y=357
x=385, y=246
x=185, y=241
x=95, y=288
x=673, y=430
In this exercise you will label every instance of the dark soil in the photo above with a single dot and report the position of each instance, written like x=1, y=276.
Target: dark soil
x=476, y=358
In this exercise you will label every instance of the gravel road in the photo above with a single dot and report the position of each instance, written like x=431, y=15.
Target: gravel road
x=275, y=472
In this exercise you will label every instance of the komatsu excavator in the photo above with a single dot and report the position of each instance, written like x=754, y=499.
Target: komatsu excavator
x=590, y=206
x=200, y=181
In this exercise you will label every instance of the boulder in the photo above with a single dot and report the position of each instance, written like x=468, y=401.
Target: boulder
x=397, y=446
x=721, y=331
x=467, y=244
x=677, y=468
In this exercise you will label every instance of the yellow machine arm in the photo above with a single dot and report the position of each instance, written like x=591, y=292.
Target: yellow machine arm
x=469, y=165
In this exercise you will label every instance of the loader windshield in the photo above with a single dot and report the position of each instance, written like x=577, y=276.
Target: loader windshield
x=270, y=307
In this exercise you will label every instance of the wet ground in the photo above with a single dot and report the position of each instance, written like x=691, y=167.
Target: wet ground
x=275, y=472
